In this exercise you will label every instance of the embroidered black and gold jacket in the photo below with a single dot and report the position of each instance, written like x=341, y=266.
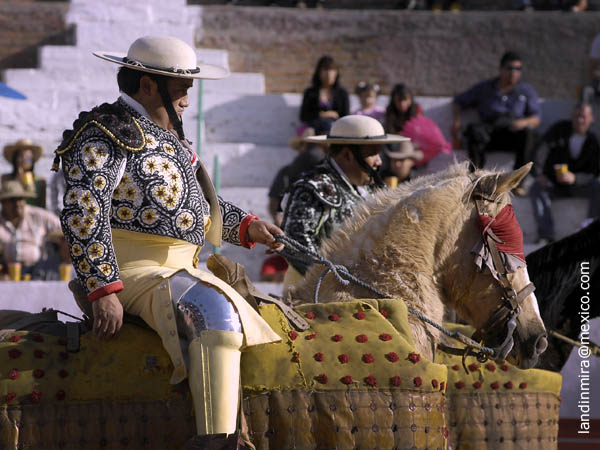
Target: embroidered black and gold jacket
x=123, y=171
x=319, y=201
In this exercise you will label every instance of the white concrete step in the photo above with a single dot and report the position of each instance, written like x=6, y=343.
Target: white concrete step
x=246, y=164
x=263, y=119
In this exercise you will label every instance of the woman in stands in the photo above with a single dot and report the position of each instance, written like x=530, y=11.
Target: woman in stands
x=325, y=100
x=405, y=117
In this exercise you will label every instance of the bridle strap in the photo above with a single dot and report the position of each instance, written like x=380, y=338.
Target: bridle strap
x=161, y=81
x=365, y=167
x=506, y=314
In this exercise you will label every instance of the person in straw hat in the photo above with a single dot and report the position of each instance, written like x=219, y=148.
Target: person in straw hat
x=22, y=155
x=320, y=200
x=138, y=208
x=25, y=230
x=398, y=161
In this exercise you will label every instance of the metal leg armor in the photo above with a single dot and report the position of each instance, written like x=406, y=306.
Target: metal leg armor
x=213, y=329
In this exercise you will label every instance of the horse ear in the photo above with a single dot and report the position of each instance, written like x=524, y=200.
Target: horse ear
x=508, y=181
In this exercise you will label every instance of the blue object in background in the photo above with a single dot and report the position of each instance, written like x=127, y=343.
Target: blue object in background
x=6, y=91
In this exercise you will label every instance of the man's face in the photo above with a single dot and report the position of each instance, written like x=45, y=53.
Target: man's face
x=582, y=119
x=352, y=168
x=178, y=92
x=13, y=208
x=510, y=72
x=25, y=159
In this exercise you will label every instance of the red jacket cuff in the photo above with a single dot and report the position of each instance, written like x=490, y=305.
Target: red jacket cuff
x=244, y=231
x=111, y=288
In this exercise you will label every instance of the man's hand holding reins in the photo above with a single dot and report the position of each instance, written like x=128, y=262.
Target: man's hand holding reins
x=108, y=317
x=263, y=233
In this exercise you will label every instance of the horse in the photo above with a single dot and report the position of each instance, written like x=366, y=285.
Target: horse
x=415, y=242
x=556, y=270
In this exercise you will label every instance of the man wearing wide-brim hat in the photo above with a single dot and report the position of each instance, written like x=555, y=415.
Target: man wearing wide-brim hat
x=324, y=197
x=25, y=230
x=399, y=159
x=22, y=155
x=135, y=218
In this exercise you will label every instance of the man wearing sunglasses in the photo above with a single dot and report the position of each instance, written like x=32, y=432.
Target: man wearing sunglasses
x=509, y=112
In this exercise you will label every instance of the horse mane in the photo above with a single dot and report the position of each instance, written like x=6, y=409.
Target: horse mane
x=381, y=201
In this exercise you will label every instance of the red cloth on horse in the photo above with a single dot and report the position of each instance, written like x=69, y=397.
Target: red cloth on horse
x=507, y=229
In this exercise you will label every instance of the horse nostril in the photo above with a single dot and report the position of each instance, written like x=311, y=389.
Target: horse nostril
x=541, y=344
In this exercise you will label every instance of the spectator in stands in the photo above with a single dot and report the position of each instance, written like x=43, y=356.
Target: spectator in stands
x=367, y=94
x=401, y=159
x=509, y=112
x=591, y=92
x=564, y=5
x=22, y=155
x=325, y=100
x=400, y=109
x=26, y=231
x=404, y=116
x=567, y=165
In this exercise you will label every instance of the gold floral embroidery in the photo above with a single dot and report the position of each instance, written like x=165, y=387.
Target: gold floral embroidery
x=100, y=182
x=95, y=251
x=168, y=148
x=130, y=193
x=149, y=216
x=151, y=142
x=76, y=250
x=84, y=266
x=74, y=222
x=151, y=166
x=92, y=210
x=185, y=221
x=92, y=284
x=159, y=192
x=72, y=197
x=75, y=172
x=124, y=213
x=106, y=269
x=170, y=201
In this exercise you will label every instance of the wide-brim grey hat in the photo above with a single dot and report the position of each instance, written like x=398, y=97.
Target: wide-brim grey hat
x=404, y=150
x=357, y=129
x=164, y=55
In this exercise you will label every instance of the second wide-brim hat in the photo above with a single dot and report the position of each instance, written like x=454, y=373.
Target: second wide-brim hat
x=404, y=150
x=164, y=55
x=14, y=189
x=356, y=129
x=23, y=144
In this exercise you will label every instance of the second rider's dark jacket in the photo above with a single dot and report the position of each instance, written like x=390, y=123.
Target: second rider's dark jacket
x=318, y=202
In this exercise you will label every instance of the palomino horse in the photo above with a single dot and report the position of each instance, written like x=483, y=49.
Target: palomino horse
x=415, y=243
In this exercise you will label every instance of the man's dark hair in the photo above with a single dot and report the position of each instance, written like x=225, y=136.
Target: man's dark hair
x=336, y=149
x=129, y=79
x=509, y=57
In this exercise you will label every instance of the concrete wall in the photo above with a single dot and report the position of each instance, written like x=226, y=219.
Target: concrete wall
x=436, y=54
x=27, y=24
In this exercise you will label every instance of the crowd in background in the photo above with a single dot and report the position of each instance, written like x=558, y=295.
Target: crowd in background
x=566, y=157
